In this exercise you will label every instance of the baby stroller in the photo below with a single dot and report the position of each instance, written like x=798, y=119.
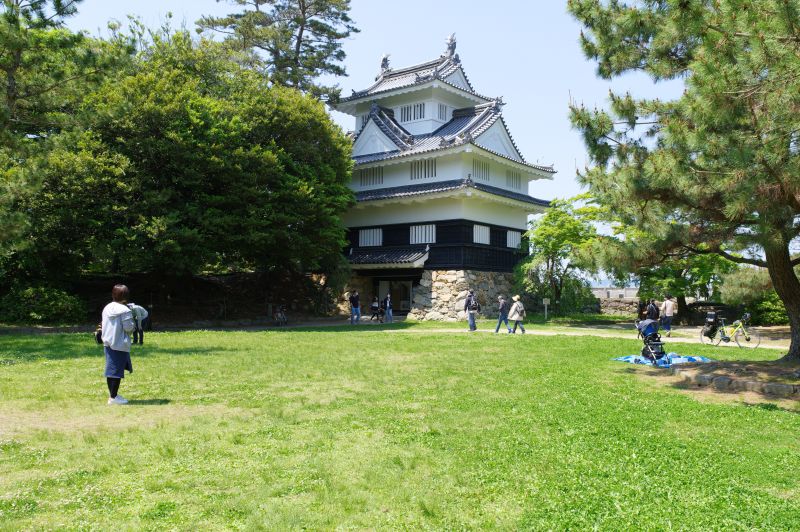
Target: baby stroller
x=653, y=348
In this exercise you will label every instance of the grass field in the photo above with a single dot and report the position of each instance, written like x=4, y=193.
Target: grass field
x=415, y=429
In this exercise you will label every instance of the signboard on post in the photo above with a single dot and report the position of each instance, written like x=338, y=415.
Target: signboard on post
x=545, y=302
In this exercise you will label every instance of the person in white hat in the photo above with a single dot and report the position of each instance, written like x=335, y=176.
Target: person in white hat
x=517, y=314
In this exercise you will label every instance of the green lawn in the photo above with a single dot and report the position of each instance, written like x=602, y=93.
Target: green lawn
x=360, y=429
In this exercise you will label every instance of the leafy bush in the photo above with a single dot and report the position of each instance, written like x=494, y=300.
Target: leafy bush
x=575, y=294
x=752, y=289
x=40, y=305
x=769, y=311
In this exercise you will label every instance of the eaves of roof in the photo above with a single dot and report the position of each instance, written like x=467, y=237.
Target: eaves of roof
x=438, y=187
x=380, y=257
x=430, y=148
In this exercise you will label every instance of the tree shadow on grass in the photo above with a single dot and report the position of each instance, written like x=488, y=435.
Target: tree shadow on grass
x=148, y=402
x=17, y=349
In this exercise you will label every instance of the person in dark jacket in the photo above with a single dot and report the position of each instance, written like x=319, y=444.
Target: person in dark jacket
x=355, y=308
x=652, y=310
x=502, y=309
x=472, y=307
x=387, y=308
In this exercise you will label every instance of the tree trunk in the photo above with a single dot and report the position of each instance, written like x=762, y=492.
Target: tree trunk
x=683, y=309
x=788, y=288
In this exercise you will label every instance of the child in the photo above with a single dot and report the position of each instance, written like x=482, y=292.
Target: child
x=375, y=307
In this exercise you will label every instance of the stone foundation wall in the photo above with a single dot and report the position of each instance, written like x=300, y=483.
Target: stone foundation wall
x=365, y=289
x=619, y=307
x=441, y=294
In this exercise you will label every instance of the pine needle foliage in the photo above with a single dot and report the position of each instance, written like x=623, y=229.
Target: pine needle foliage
x=716, y=170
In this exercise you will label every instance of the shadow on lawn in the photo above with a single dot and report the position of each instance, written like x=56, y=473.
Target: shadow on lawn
x=148, y=402
x=18, y=349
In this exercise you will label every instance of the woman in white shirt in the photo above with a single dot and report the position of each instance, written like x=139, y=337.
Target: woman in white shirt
x=116, y=328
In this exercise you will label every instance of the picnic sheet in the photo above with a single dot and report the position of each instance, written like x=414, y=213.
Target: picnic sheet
x=664, y=362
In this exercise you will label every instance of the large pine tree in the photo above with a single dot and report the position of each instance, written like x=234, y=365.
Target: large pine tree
x=294, y=41
x=718, y=169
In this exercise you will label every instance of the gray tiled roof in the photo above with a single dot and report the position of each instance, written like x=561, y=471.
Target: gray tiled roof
x=444, y=186
x=396, y=255
x=438, y=69
x=463, y=128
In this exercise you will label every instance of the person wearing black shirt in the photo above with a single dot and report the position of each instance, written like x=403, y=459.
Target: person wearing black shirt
x=355, y=308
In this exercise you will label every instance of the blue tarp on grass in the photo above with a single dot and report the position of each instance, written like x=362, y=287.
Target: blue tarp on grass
x=664, y=362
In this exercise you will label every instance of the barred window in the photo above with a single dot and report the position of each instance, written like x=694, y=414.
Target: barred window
x=514, y=179
x=442, y=112
x=513, y=239
x=419, y=111
x=370, y=176
x=370, y=237
x=423, y=234
x=480, y=170
x=405, y=113
x=423, y=169
x=480, y=234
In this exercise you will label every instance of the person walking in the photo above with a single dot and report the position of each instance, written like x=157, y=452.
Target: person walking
x=517, y=314
x=387, y=308
x=375, y=308
x=116, y=327
x=668, y=308
x=355, y=308
x=502, y=309
x=472, y=307
x=139, y=315
x=652, y=310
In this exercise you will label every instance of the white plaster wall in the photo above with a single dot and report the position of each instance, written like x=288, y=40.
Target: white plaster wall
x=399, y=174
x=497, y=174
x=462, y=208
x=496, y=139
x=373, y=140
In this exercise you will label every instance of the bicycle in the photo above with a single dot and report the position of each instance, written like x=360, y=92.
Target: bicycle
x=714, y=333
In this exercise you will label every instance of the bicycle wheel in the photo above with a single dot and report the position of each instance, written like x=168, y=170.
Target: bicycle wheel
x=750, y=339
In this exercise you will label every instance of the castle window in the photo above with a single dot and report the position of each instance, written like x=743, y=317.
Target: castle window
x=480, y=170
x=370, y=237
x=371, y=176
x=405, y=113
x=442, y=112
x=423, y=169
x=513, y=239
x=423, y=234
x=514, y=179
x=419, y=111
x=480, y=234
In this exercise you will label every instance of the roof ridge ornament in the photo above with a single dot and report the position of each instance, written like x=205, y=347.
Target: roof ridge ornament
x=451, y=45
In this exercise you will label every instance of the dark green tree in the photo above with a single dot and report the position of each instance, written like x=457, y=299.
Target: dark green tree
x=294, y=41
x=45, y=72
x=191, y=163
x=716, y=170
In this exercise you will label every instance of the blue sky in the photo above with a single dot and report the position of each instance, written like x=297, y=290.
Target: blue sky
x=525, y=51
